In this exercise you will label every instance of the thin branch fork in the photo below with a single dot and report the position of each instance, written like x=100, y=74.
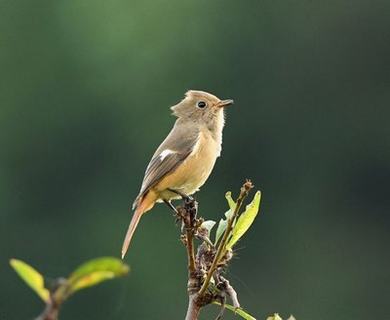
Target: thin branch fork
x=58, y=295
x=222, y=246
x=51, y=312
x=209, y=262
x=187, y=215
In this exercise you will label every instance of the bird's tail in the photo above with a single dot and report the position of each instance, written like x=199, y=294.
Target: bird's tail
x=145, y=204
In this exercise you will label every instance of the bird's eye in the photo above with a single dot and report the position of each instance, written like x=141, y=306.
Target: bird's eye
x=201, y=104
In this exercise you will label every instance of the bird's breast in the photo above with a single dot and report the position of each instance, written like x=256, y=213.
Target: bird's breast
x=195, y=170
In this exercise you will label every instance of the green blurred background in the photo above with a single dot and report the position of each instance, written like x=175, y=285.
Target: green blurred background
x=85, y=90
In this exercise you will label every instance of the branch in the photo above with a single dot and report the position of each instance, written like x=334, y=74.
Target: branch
x=193, y=309
x=51, y=311
x=192, y=208
x=222, y=246
x=209, y=261
x=187, y=214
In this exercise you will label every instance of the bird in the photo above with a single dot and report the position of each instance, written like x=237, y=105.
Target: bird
x=185, y=159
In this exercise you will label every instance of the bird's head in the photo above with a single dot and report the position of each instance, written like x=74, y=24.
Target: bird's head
x=201, y=107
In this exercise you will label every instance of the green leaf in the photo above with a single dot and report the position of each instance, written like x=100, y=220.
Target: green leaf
x=245, y=220
x=243, y=314
x=95, y=271
x=228, y=214
x=32, y=278
x=220, y=230
x=232, y=204
x=208, y=224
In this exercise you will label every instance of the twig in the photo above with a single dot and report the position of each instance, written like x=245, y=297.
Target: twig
x=188, y=216
x=58, y=294
x=51, y=310
x=190, y=251
x=227, y=287
x=193, y=208
x=209, y=261
x=193, y=309
x=222, y=246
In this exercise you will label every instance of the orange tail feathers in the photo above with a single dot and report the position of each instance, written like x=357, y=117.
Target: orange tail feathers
x=144, y=205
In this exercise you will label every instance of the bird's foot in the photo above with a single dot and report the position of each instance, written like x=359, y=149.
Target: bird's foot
x=171, y=206
x=190, y=206
x=186, y=198
x=190, y=209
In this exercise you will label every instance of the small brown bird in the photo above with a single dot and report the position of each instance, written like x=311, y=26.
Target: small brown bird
x=185, y=159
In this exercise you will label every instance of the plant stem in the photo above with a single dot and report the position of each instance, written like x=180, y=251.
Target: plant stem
x=221, y=249
x=188, y=217
x=50, y=312
x=190, y=251
x=193, y=309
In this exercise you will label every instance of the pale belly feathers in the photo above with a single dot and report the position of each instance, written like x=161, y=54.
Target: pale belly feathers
x=194, y=171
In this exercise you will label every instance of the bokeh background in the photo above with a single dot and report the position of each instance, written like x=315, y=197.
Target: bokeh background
x=85, y=93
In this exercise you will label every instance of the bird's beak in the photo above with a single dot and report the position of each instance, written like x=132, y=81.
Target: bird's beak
x=225, y=103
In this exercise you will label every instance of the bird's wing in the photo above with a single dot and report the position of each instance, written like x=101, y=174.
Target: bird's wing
x=172, y=152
